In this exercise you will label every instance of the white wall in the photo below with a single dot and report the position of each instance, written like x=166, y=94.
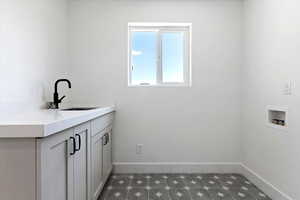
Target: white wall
x=33, y=50
x=197, y=124
x=271, y=59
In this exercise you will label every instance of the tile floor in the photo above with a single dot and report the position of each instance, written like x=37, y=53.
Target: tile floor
x=181, y=187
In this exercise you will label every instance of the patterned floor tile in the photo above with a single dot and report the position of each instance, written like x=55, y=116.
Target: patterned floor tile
x=180, y=176
x=149, y=176
x=157, y=182
x=238, y=177
x=180, y=187
x=197, y=176
x=138, y=194
x=120, y=182
x=139, y=182
x=193, y=182
x=235, y=180
x=179, y=194
x=142, y=176
x=213, y=176
x=229, y=182
x=239, y=194
x=163, y=176
x=219, y=194
x=247, y=182
x=117, y=176
x=258, y=194
x=211, y=183
x=175, y=182
x=116, y=194
x=159, y=194
x=199, y=194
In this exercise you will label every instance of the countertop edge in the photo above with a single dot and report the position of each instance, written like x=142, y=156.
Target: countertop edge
x=45, y=130
x=53, y=128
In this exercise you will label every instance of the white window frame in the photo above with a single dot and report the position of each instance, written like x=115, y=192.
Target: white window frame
x=162, y=28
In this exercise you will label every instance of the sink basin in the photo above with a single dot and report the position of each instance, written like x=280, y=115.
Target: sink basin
x=79, y=108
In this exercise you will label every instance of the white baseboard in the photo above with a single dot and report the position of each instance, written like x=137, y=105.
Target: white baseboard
x=176, y=167
x=263, y=184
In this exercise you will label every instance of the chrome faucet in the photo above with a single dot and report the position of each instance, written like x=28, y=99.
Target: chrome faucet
x=56, y=99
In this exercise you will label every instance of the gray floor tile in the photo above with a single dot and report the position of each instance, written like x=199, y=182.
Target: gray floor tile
x=238, y=177
x=175, y=182
x=229, y=182
x=139, y=182
x=247, y=182
x=179, y=194
x=116, y=176
x=213, y=176
x=197, y=176
x=159, y=194
x=149, y=176
x=220, y=194
x=211, y=183
x=142, y=176
x=193, y=182
x=180, y=176
x=138, y=194
x=239, y=194
x=120, y=182
x=181, y=187
x=116, y=194
x=199, y=194
x=235, y=180
x=161, y=176
x=157, y=182
x=165, y=176
x=258, y=194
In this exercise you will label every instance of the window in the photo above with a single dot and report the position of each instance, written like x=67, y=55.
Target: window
x=159, y=54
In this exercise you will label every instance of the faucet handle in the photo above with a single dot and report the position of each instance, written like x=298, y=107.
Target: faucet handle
x=61, y=99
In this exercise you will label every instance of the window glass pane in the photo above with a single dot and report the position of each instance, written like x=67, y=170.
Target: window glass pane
x=143, y=57
x=172, y=57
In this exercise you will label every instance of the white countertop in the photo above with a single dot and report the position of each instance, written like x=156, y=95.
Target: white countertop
x=42, y=123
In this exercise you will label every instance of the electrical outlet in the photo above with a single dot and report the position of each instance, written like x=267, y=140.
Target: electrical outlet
x=139, y=149
x=288, y=88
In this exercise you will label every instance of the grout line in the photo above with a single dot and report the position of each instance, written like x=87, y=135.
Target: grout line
x=186, y=185
x=229, y=193
x=129, y=185
x=189, y=193
x=148, y=184
x=168, y=191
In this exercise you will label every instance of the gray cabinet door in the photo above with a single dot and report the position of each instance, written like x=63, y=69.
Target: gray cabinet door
x=55, y=173
x=96, y=162
x=107, y=154
x=81, y=162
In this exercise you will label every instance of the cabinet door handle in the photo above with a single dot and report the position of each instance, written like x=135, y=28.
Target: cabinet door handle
x=79, y=141
x=108, y=138
x=74, y=145
x=105, y=139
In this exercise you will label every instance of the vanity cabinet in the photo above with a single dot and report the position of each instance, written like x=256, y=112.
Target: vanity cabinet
x=73, y=164
x=101, y=160
x=97, y=162
x=101, y=153
x=82, y=162
x=107, y=153
x=56, y=167
x=64, y=162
